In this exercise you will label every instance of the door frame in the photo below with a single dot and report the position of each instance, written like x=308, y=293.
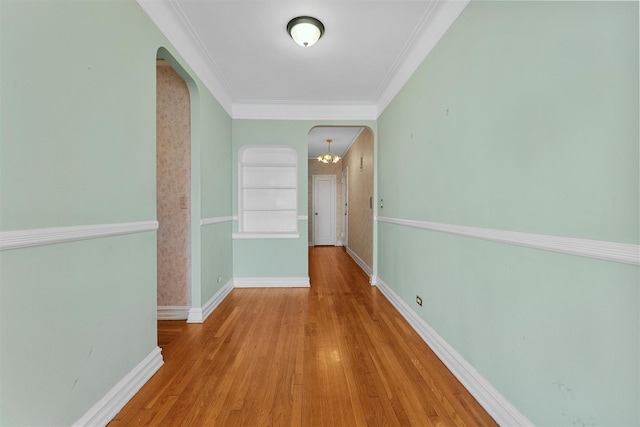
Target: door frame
x=333, y=180
x=345, y=207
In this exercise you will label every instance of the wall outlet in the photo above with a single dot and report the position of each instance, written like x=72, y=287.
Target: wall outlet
x=418, y=300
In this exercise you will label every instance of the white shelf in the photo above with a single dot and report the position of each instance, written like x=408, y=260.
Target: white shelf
x=267, y=192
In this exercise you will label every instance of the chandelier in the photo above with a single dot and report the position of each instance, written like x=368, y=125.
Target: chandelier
x=329, y=157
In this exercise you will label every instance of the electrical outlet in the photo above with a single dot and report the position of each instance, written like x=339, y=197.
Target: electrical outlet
x=418, y=300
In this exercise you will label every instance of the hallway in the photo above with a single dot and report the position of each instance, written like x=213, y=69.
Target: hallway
x=337, y=354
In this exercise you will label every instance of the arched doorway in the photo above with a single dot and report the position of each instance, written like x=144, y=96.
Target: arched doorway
x=173, y=193
x=354, y=177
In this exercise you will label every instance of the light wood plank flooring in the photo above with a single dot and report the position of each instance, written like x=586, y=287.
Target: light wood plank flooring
x=337, y=354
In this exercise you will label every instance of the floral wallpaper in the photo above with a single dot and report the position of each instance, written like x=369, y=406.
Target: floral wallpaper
x=359, y=160
x=173, y=171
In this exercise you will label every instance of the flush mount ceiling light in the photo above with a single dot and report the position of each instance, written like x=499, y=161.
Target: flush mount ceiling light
x=329, y=157
x=305, y=30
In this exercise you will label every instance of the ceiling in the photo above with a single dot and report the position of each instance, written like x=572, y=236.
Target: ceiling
x=341, y=139
x=242, y=52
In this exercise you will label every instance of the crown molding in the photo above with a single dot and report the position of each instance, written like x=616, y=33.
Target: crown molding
x=171, y=22
x=436, y=23
x=293, y=111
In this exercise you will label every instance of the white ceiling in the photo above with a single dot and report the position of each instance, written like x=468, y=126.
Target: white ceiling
x=341, y=139
x=242, y=52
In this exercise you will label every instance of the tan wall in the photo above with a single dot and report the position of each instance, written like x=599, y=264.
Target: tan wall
x=173, y=169
x=360, y=226
x=319, y=168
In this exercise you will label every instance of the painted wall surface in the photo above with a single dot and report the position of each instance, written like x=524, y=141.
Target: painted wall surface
x=77, y=147
x=524, y=117
x=173, y=186
x=360, y=192
x=275, y=257
x=214, y=162
x=318, y=168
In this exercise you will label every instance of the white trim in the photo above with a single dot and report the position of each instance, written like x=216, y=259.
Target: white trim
x=363, y=265
x=265, y=235
x=303, y=217
x=171, y=21
x=609, y=251
x=173, y=312
x=316, y=203
x=216, y=220
x=199, y=315
x=344, y=209
x=304, y=111
x=46, y=236
x=271, y=282
x=436, y=22
x=502, y=411
x=112, y=402
x=374, y=280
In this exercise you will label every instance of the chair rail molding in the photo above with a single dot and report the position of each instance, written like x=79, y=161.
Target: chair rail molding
x=216, y=220
x=46, y=236
x=609, y=251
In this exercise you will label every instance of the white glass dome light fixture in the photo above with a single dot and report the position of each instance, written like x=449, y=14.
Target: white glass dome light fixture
x=329, y=157
x=305, y=30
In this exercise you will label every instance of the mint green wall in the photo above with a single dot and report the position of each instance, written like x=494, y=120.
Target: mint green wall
x=276, y=257
x=214, y=132
x=524, y=117
x=77, y=147
x=215, y=166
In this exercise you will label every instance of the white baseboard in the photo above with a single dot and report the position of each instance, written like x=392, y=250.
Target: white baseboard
x=109, y=406
x=502, y=411
x=199, y=315
x=173, y=312
x=363, y=265
x=271, y=282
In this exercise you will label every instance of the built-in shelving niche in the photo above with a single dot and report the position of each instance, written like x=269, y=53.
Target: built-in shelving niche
x=267, y=192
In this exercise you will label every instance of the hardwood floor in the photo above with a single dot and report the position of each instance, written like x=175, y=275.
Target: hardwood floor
x=337, y=354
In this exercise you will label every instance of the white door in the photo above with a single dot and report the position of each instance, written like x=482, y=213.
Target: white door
x=345, y=206
x=324, y=210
